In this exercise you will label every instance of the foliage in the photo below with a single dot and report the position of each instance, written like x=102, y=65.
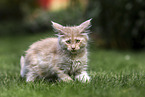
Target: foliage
x=120, y=23
x=114, y=73
x=11, y=28
x=12, y=9
x=40, y=20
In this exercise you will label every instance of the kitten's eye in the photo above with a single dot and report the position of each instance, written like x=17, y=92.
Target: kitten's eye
x=68, y=41
x=77, y=41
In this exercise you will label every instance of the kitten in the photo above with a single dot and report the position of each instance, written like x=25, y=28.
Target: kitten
x=58, y=58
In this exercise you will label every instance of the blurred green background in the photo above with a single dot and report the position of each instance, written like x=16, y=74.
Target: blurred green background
x=117, y=24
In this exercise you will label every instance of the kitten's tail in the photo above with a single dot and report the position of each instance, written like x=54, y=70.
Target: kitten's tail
x=22, y=64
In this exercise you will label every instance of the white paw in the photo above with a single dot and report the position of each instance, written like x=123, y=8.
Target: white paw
x=83, y=77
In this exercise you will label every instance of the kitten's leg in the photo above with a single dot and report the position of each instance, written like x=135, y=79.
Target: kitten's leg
x=30, y=77
x=64, y=77
x=83, y=77
x=61, y=75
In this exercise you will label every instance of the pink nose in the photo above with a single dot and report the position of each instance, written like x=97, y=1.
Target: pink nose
x=73, y=47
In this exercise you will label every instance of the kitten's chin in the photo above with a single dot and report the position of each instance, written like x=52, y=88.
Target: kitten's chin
x=73, y=52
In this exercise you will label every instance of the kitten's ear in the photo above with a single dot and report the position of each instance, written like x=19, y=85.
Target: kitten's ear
x=85, y=25
x=58, y=27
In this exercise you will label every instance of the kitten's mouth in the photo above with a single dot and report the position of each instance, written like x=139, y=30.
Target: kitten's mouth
x=73, y=51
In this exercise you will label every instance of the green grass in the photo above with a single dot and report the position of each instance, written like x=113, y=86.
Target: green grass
x=114, y=73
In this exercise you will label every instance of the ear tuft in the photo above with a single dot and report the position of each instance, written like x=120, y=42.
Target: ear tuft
x=56, y=26
x=85, y=25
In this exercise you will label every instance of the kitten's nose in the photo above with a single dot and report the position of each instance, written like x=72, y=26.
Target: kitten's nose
x=73, y=48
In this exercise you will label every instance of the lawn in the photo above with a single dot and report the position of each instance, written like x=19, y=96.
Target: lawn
x=114, y=73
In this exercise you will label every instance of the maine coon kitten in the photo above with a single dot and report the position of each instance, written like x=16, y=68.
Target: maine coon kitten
x=58, y=58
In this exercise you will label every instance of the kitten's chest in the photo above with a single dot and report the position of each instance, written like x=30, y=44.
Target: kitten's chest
x=72, y=66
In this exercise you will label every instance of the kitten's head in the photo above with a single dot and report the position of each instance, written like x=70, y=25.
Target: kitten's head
x=72, y=38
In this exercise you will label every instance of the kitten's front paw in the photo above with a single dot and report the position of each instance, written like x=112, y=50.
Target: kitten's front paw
x=83, y=78
x=66, y=79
